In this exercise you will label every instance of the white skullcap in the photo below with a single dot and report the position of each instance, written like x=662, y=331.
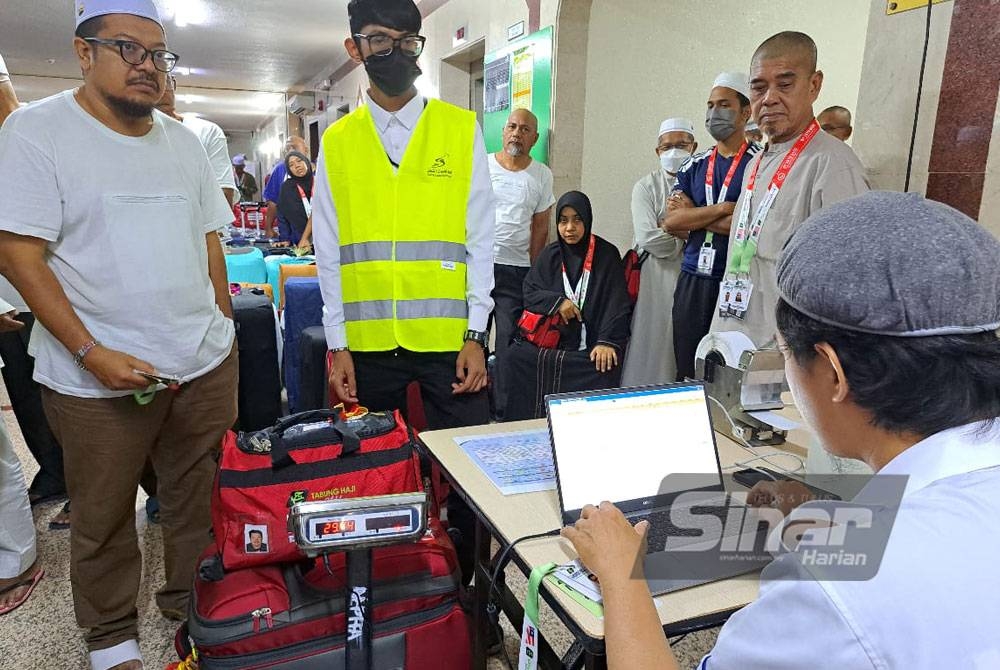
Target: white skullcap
x=738, y=81
x=88, y=9
x=239, y=159
x=676, y=124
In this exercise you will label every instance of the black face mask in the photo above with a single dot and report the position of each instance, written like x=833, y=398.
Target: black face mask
x=393, y=74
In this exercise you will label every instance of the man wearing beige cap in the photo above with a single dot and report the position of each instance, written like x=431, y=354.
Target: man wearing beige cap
x=800, y=171
x=122, y=267
x=702, y=208
x=650, y=358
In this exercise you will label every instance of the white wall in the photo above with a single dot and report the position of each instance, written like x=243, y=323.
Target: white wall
x=650, y=59
x=240, y=143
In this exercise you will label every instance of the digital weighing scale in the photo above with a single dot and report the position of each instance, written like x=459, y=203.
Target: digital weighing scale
x=355, y=526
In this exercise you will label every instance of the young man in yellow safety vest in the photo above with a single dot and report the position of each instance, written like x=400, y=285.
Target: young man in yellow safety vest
x=403, y=220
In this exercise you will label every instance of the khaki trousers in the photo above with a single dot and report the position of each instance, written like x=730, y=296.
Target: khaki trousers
x=106, y=443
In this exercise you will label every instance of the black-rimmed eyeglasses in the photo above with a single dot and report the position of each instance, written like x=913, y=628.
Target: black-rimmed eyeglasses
x=134, y=53
x=382, y=45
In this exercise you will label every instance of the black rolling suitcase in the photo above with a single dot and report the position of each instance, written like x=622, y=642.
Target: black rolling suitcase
x=313, y=388
x=260, y=381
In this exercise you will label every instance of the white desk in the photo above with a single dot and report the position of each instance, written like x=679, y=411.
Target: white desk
x=510, y=517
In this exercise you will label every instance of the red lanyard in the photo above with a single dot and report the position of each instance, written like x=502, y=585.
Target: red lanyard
x=747, y=234
x=306, y=200
x=710, y=175
x=789, y=161
x=579, y=294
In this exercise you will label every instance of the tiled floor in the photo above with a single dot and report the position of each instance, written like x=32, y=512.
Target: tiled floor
x=42, y=634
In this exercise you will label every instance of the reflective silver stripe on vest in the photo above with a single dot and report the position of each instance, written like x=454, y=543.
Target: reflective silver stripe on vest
x=368, y=310
x=365, y=251
x=434, y=308
x=405, y=251
x=430, y=251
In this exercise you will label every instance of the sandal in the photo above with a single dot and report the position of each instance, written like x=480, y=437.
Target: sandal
x=60, y=525
x=31, y=583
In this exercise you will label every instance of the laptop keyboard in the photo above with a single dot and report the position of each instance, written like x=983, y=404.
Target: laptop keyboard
x=661, y=527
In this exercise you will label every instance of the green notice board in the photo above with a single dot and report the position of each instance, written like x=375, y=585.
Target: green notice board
x=519, y=76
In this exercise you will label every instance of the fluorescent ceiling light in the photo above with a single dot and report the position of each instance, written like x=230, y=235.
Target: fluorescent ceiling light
x=185, y=12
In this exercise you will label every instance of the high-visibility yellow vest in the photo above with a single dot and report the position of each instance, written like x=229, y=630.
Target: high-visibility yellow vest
x=402, y=233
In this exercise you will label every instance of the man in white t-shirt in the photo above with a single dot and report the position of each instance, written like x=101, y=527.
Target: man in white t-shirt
x=122, y=267
x=523, y=190
x=211, y=136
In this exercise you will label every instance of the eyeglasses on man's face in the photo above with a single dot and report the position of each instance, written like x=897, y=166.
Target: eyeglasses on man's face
x=382, y=45
x=134, y=53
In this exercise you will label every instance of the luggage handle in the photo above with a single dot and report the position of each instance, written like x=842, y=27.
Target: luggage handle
x=280, y=456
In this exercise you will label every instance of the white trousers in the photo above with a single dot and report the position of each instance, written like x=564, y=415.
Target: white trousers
x=17, y=528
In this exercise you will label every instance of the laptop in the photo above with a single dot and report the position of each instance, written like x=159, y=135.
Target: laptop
x=651, y=451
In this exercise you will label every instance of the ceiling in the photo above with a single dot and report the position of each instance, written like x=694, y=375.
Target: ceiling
x=231, y=47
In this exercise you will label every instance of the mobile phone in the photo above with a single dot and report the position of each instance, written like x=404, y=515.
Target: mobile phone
x=159, y=379
x=750, y=477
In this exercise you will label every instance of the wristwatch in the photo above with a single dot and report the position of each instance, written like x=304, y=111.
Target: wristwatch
x=477, y=336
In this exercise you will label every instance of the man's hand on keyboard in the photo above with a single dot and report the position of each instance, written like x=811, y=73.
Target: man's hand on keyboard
x=608, y=544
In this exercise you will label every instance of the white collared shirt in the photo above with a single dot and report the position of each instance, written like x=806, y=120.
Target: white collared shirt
x=935, y=601
x=395, y=131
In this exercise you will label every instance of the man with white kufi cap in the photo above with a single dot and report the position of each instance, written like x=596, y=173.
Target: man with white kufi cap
x=702, y=208
x=122, y=267
x=649, y=359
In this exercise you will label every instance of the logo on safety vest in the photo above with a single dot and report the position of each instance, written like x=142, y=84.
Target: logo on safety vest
x=440, y=168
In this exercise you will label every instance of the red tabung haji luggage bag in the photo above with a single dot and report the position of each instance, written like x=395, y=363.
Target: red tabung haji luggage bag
x=292, y=617
x=309, y=456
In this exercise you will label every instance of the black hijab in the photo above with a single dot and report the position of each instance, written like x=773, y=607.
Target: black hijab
x=290, y=201
x=607, y=309
x=305, y=181
x=574, y=254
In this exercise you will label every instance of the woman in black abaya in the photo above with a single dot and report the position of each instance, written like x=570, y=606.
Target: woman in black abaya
x=580, y=278
x=295, y=199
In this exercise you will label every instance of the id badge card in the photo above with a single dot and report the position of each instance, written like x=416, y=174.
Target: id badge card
x=527, y=658
x=706, y=259
x=741, y=298
x=726, y=291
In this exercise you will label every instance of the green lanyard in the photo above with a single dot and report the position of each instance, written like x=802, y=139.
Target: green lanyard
x=530, y=636
x=747, y=234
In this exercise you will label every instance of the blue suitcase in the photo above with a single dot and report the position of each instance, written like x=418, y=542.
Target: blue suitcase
x=303, y=308
x=245, y=265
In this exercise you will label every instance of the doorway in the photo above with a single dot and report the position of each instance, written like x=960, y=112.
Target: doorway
x=462, y=77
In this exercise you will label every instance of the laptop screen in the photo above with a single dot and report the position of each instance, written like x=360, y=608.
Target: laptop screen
x=619, y=445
